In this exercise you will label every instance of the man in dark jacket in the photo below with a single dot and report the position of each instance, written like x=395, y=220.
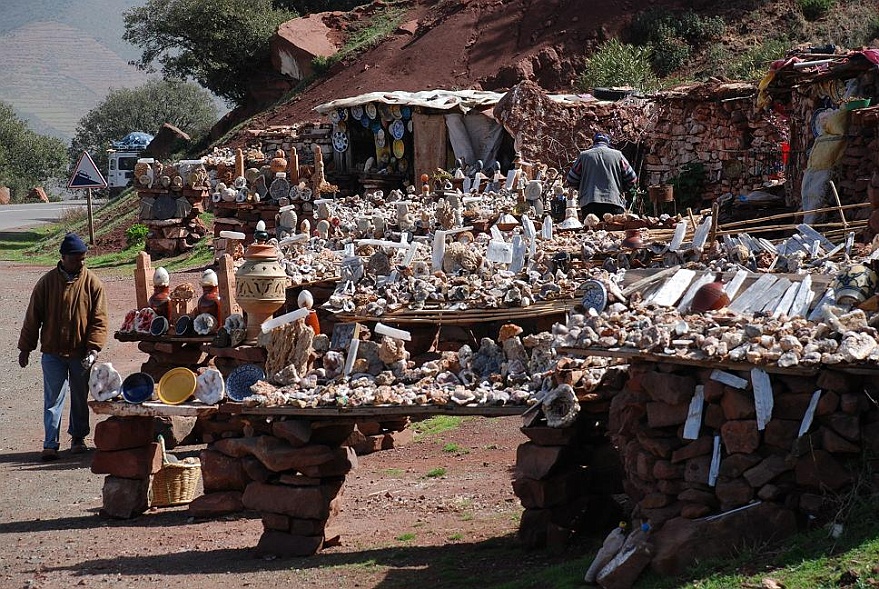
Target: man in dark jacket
x=602, y=175
x=67, y=314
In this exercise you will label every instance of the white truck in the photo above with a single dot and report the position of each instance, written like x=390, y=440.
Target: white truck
x=122, y=158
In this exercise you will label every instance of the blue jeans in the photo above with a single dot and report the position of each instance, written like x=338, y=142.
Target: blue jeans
x=59, y=376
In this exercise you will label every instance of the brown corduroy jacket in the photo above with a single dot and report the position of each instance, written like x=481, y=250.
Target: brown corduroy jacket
x=68, y=318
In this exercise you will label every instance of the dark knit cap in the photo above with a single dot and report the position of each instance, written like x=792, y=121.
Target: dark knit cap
x=72, y=244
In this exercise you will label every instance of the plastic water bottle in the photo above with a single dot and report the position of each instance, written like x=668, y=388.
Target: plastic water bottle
x=626, y=566
x=609, y=548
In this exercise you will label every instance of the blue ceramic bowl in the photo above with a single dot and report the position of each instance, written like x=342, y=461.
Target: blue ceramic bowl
x=138, y=387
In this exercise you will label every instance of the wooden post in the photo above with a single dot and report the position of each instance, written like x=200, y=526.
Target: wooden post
x=838, y=204
x=143, y=279
x=91, y=220
x=226, y=286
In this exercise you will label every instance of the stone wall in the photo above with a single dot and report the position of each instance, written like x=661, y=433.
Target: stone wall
x=790, y=477
x=719, y=128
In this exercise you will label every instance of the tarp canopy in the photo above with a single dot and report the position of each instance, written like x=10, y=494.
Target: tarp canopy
x=461, y=100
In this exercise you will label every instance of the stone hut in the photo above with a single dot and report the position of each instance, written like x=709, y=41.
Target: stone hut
x=826, y=102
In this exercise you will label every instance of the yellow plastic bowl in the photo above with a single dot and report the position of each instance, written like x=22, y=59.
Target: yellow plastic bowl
x=177, y=385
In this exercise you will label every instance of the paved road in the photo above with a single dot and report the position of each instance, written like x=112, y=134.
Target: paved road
x=16, y=216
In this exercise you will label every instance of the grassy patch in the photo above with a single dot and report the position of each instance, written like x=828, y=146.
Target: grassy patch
x=376, y=30
x=407, y=537
x=456, y=537
x=436, y=472
x=452, y=448
x=436, y=425
x=393, y=472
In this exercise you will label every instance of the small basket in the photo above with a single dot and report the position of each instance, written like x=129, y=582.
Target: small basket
x=175, y=483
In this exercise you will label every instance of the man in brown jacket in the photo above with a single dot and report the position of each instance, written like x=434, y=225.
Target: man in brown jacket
x=67, y=313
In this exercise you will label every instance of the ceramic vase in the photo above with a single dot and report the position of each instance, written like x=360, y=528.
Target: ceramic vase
x=260, y=286
x=160, y=302
x=855, y=284
x=710, y=297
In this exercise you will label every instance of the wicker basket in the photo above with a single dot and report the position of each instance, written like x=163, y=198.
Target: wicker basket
x=175, y=483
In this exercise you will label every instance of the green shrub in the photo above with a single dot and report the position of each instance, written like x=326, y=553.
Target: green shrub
x=652, y=25
x=618, y=64
x=696, y=29
x=815, y=9
x=136, y=234
x=754, y=63
x=669, y=55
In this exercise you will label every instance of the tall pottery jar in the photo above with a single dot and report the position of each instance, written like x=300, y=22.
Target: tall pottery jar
x=260, y=286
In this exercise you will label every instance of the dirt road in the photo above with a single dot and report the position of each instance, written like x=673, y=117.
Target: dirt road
x=398, y=528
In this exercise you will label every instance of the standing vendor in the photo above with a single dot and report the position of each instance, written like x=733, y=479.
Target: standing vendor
x=602, y=175
x=67, y=314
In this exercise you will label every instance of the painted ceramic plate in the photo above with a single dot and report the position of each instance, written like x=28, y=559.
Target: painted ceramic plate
x=371, y=110
x=380, y=138
x=334, y=117
x=340, y=141
x=176, y=385
x=138, y=387
x=241, y=379
x=340, y=126
x=343, y=114
x=357, y=112
x=409, y=125
x=399, y=148
x=397, y=129
x=402, y=164
x=594, y=295
x=365, y=120
x=406, y=112
x=396, y=112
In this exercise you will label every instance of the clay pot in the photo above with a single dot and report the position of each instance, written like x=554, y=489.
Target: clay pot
x=633, y=239
x=160, y=302
x=260, y=286
x=710, y=297
x=279, y=162
x=209, y=303
x=661, y=193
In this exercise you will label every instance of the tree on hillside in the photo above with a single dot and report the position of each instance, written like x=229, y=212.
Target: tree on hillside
x=219, y=44
x=312, y=6
x=27, y=159
x=145, y=108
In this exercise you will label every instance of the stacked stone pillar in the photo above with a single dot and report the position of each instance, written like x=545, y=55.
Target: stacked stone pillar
x=291, y=472
x=127, y=454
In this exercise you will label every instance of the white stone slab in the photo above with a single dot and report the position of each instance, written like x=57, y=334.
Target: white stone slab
x=352, y=355
x=694, y=414
x=672, y=289
x=439, y=250
x=401, y=334
x=732, y=287
x=546, y=228
x=828, y=298
x=787, y=300
x=700, y=235
x=678, y=238
x=745, y=300
x=811, y=235
x=763, y=399
x=800, y=306
x=728, y=378
x=771, y=296
x=810, y=414
x=270, y=324
x=518, y=254
x=714, y=469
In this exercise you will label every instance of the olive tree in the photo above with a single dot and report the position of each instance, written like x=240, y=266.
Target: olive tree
x=219, y=44
x=27, y=159
x=144, y=108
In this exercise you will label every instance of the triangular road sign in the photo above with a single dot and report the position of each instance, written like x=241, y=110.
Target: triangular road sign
x=86, y=174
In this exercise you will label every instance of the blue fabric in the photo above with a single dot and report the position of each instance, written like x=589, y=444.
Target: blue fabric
x=72, y=244
x=61, y=375
x=601, y=138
